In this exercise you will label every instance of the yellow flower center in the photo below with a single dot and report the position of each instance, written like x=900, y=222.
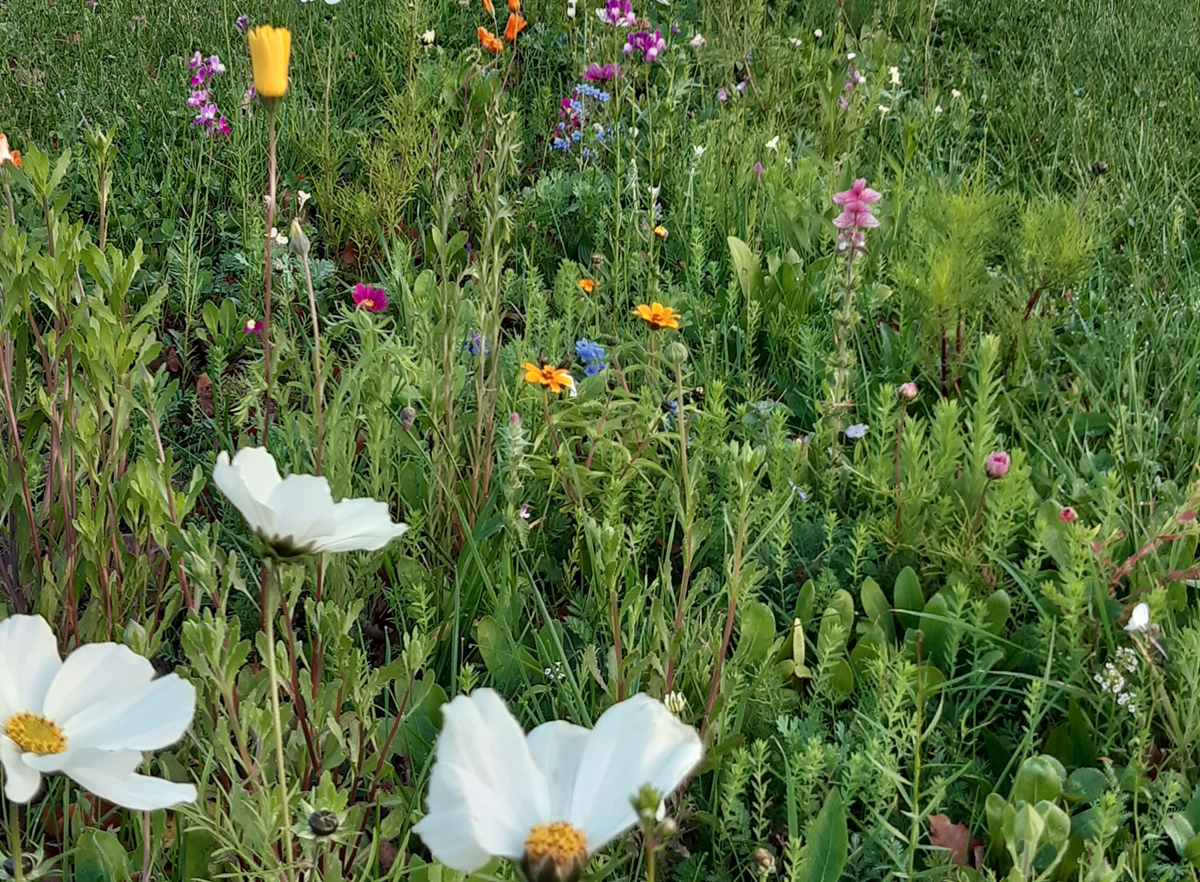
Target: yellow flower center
x=558, y=840
x=368, y=303
x=34, y=734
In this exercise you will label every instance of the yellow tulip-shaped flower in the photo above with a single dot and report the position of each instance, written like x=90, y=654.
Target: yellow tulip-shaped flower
x=270, y=49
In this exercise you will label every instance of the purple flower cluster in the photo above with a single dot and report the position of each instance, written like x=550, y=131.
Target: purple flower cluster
x=854, y=79
x=618, y=13
x=204, y=71
x=647, y=45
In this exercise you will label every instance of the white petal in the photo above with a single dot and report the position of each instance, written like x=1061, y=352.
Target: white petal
x=148, y=717
x=95, y=674
x=557, y=747
x=28, y=662
x=248, y=483
x=108, y=774
x=21, y=782
x=1139, y=619
x=303, y=510
x=485, y=758
x=447, y=830
x=635, y=742
x=361, y=525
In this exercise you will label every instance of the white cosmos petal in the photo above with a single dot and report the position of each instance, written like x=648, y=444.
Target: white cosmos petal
x=148, y=717
x=109, y=775
x=248, y=483
x=635, y=742
x=28, y=662
x=95, y=674
x=21, y=782
x=303, y=510
x=447, y=829
x=483, y=761
x=361, y=525
x=1139, y=619
x=557, y=747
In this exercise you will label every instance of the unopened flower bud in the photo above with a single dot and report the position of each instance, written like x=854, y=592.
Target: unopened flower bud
x=1068, y=515
x=907, y=391
x=668, y=827
x=996, y=465
x=323, y=823
x=299, y=241
x=408, y=416
x=764, y=860
x=677, y=353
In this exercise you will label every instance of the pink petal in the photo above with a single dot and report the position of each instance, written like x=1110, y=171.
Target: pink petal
x=845, y=220
x=865, y=220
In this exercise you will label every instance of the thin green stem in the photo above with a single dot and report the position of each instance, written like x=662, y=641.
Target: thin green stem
x=277, y=722
x=14, y=841
x=266, y=330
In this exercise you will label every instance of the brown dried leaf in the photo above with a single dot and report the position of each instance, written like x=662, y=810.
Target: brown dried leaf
x=956, y=838
x=204, y=396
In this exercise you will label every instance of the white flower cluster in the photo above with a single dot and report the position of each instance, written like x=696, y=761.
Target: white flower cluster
x=1112, y=678
x=556, y=672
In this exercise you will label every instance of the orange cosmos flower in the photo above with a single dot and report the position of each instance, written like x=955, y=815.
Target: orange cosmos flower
x=516, y=24
x=587, y=285
x=489, y=41
x=488, y=7
x=514, y=5
x=657, y=316
x=548, y=376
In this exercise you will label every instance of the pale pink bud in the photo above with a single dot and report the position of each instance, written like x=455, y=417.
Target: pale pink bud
x=907, y=391
x=996, y=465
x=1068, y=515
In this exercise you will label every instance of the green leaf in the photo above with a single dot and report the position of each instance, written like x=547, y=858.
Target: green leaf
x=877, y=608
x=757, y=631
x=99, y=857
x=841, y=678
x=824, y=852
x=747, y=267
x=1040, y=778
x=999, y=605
x=1180, y=831
x=907, y=595
x=1085, y=784
x=844, y=604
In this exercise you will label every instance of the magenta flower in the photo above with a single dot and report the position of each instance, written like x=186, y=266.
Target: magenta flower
x=856, y=207
x=758, y=171
x=242, y=23
x=198, y=99
x=996, y=465
x=206, y=116
x=645, y=44
x=370, y=299
x=601, y=73
x=252, y=326
x=223, y=127
x=722, y=95
x=1068, y=515
x=618, y=13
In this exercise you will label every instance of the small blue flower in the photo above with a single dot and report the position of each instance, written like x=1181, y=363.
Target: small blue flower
x=857, y=431
x=798, y=490
x=476, y=344
x=594, y=368
x=588, y=351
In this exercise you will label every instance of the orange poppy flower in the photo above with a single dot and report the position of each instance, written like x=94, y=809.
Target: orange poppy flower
x=489, y=41
x=488, y=7
x=587, y=285
x=8, y=156
x=657, y=316
x=516, y=24
x=514, y=5
x=549, y=377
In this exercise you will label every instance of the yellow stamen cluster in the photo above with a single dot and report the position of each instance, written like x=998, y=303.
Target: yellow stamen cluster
x=34, y=734
x=558, y=840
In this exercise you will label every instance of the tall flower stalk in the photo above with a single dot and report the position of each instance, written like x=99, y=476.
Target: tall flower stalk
x=270, y=51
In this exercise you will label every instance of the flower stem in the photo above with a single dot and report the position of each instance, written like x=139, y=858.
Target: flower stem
x=319, y=384
x=14, y=841
x=266, y=330
x=277, y=722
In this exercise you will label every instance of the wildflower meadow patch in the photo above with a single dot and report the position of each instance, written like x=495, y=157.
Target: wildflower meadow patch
x=560, y=440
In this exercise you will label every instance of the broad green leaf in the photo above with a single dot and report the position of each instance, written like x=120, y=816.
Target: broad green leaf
x=907, y=596
x=824, y=852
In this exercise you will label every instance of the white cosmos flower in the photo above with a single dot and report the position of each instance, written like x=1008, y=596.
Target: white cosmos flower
x=553, y=798
x=428, y=37
x=89, y=717
x=1139, y=619
x=297, y=515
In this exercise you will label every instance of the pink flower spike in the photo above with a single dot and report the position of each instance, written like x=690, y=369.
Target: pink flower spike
x=196, y=61
x=370, y=299
x=858, y=192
